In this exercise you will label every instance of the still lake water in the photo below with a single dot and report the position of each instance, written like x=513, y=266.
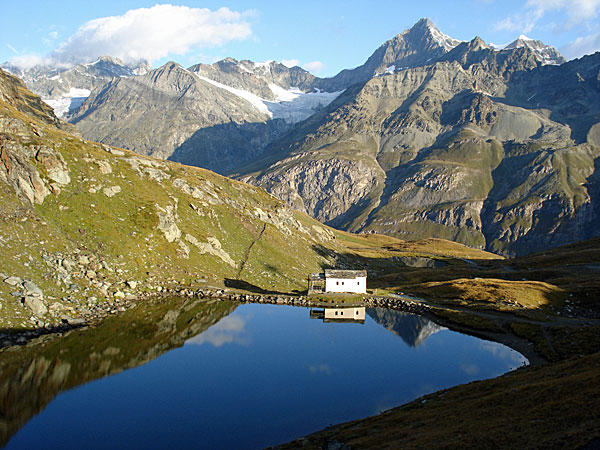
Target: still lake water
x=264, y=375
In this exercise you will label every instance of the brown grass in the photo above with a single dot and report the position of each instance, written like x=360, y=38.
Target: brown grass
x=501, y=294
x=526, y=409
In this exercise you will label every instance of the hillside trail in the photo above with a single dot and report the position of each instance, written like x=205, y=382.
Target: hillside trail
x=248, y=250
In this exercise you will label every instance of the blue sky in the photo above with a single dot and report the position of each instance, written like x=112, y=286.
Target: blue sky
x=323, y=36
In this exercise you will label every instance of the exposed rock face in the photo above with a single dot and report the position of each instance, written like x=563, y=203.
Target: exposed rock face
x=488, y=148
x=212, y=247
x=326, y=189
x=33, y=170
x=167, y=222
x=171, y=113
x=256, y=77
x=547, y=53
x=20, y=171
x=420, y=45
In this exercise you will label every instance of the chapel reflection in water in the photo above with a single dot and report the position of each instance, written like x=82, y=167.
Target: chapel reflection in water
x=349, y=315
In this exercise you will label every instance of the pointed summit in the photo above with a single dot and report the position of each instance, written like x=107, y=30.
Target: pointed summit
x=427, y=27
x=421, y=45
x=545, y=53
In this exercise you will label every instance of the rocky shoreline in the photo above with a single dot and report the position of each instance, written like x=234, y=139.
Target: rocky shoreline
x=100, y=311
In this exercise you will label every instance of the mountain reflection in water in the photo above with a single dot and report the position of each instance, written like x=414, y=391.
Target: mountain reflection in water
x=216, y=374
x=413, y=329
x=31, y=376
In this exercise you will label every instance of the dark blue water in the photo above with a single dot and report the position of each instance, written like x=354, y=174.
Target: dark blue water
x=265, y=375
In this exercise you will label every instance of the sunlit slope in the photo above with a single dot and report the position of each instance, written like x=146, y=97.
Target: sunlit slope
x=87, y=222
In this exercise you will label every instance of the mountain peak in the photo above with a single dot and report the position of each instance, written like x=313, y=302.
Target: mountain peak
x=424, y=22
x=428, y=28
x=110, y=59
x=545, y=53
x=477, y=43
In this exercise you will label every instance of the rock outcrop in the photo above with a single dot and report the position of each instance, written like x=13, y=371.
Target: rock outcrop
x=484, y=147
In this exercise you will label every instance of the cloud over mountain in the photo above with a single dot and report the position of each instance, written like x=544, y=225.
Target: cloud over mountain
x=574, y=12
x=570, y=14
x=150, y=34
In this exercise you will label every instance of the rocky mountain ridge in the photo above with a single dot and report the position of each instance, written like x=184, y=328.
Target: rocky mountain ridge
x=271, y=99
x=412, y=328
x=490, y=148
x=65, y=88
x=547, y=53
x=421, y=134
x=192, y=117
x=420, y=45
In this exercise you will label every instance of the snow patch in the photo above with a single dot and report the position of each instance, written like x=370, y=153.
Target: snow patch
x=68, y=102
x=263, y=64
x=292, y=105
x=284, y=95
x=442, y=39
x=253, y=99
x=301, y=106
x=76, y=92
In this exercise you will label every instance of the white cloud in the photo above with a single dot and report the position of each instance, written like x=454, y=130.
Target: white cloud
x=470, y=369
x=575, y=12
x=28, y=61
x=228, y=330
x=582, y=46
x=503, y=352
x=314, y=66
x=290, y=62
x=151, y=34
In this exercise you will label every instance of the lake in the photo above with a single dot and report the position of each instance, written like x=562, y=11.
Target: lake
x=219, y=375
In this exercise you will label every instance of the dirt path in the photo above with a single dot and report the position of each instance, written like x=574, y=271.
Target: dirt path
x=247, y=253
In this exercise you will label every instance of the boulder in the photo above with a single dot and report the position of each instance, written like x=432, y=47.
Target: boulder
x=31, y=289
x=13, y=281
x=35, y=304
x=111, y=191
